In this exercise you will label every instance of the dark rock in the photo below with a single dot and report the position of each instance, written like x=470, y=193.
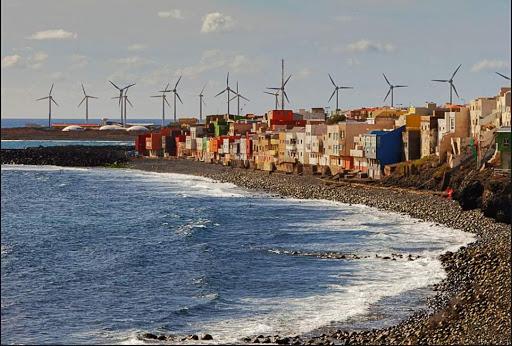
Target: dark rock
x=206, y=337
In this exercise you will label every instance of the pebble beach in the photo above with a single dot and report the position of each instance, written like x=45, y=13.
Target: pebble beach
x=471, y=306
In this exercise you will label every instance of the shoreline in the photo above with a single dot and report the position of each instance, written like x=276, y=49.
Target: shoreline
x=471, y=305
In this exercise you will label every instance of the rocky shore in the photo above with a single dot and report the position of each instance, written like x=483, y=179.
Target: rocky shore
x=471, y=306
x=72, y=156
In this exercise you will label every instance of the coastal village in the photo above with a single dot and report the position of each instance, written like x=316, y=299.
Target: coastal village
x=364, y=143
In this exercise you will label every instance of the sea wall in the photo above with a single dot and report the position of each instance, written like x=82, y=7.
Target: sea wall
x=73, y=156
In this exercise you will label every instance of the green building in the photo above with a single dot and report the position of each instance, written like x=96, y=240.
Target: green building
x=503, y=139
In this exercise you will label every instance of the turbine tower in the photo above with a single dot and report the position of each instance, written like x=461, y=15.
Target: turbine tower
x=122, y=100
x=175, y=92
x=86, y=99
x=391, y=87
x=50, y=100
x=201, y=101
x=450, y=81
x=228, y=89
x=283, y=84
x=499, y=74
x=125, y=99
x=276, y=95
x=336, y=90
x=237, y=97
x=164, y=101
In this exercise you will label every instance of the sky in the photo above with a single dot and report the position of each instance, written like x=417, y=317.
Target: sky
x=152, y=43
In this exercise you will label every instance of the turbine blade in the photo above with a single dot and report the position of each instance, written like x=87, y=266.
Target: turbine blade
x=203, y=87
x=51, y=98
x=287, y=79
x=51, y=90
x=177, y=82
x=227, y=79
x=386, y=78
x=266, y=92
x=453, y=75
x=234, y=97
x=286, y=96
x=156, y=96
x=42, y=98
x=456, y=93
x=83, y=89
x=129, y=102
x=167, y=86
x=92, y=97
x=165, y=99
x=223, y=91
x=332, y=81
x=81, y=102
x=245, y=98
x=274, y=88
x=344, y=87
x=400, y=86
x=385, y=98
x=115, y=86
x=508, y=78
x=330, y=98
x=128, y=86
x=179, y=98
x=440, y=80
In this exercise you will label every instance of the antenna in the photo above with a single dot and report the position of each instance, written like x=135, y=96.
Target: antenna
x=86, y=99
x=50, y=100
x=336, y=90
x=450, y=81
x=391, y=88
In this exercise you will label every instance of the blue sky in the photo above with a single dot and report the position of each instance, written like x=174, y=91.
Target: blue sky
x=151, y=43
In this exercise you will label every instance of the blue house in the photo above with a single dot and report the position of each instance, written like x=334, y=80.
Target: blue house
x=382, y=148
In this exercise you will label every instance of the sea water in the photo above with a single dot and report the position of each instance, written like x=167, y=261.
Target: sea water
x=98, y=255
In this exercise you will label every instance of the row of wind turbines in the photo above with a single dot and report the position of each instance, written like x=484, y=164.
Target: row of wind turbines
x=277, y=91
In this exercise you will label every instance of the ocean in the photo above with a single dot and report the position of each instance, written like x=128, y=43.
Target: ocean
x=97, y=255
x=23, y=144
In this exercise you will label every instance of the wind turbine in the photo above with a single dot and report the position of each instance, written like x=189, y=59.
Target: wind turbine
x=507, y=78
x=125, y=99
x=391, y=87
x=228, y=89
x=237, y=97
x=450, y=81
x=201, y=103
x=336, y=89
x=50, y=100
x=283, y=83
x=164, y=101
x=276, y=95
x=175, y=92
x=86, y=99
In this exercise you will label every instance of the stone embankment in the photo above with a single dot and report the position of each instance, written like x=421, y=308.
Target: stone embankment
x=73, y=156
x=471, y=306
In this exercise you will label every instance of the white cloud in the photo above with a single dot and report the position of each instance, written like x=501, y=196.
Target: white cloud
x=37, y=60
x=132, y=61
x=363, y=46
x=79, y=61
x=217, y=22
x=353, y=62
x=136, y=47
x=57, y=34
x=489, y=65
x=215, y=58
x=304, y=72
x=10, y=60
x=174, y=13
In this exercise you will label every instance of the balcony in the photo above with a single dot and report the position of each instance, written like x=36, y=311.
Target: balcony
x=356, y=153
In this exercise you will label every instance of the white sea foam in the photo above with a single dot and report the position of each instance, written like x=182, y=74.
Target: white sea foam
x=42, y=168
